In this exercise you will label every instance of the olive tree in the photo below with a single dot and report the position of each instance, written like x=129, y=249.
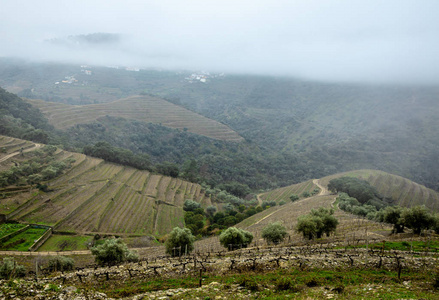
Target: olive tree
x=235, y=238
x=10, y=269
x=274, y=233
x=112, y=252
x=61, y=263
x=393, y=215
x=417, y=218
x=179, y=241
x=320, y=221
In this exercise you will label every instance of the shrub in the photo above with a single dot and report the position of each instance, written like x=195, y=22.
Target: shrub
x=61, y=263
x=112, y=252
x=392, y=215
x=282, y=202
x=190, y=205
x=417, y=218
x=267, y=204
x=235, y=238
x=181, y=239
x=306, y=194
x=436, y=223
x=274, y=233
x=284, y=284
x=211, y=210
x=294, y=197
x=10, y=269
x=317, y=223
x=248, y=283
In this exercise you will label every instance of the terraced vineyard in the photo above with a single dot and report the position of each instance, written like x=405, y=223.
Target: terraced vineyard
x=141, y=108
x=97, y=196
x=403, y=191
x=350, y=226
x=285, y=192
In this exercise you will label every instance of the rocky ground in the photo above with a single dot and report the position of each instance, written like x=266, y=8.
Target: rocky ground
x=84, y=283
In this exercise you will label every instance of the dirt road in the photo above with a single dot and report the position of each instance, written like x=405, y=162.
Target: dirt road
x=5, y=158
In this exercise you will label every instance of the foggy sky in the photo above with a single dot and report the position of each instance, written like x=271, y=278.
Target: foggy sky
x=365, y=40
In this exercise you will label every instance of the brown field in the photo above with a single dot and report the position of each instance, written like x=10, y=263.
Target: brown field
x=141, y=108
x=285, y=192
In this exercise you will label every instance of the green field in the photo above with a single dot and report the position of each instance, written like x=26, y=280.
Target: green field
x=66, y=243
x=9, y=228
x=23, y=240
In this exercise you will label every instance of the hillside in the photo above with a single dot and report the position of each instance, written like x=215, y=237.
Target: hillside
x=294, y=129
x=96, y=196
x=402, y=191
x=141, y=108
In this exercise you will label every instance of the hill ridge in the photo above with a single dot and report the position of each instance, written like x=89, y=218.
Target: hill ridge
x=141, y=108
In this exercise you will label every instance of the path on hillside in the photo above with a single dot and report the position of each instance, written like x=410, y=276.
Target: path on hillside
x=35, y=146
x=323, y=192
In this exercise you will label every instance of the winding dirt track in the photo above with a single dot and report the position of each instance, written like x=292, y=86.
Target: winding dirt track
x=323, y=192
x=35, y=146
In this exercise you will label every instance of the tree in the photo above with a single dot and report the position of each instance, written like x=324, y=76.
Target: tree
x=235, y=238
x=61, y=263
x=210, y=210
x=436, y=223
x=10, y=269
x=417, y=218
x=190, y=205
x=393, y=215
x=112, y=252
x=307, y=225
x=274, y=233
x=306, y=194
x=180, y=241
x=320, y=221
x=168, y=169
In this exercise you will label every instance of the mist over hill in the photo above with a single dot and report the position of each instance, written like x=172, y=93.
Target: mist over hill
x=294, y=129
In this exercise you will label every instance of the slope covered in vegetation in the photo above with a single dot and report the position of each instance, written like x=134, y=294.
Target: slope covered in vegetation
x=401, y=191
x=93, y=195
x=141, y=108
x=294, y=129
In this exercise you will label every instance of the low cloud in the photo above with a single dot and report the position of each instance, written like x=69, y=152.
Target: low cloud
x=374, y=41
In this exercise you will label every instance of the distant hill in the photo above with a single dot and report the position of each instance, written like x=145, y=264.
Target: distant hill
x=97, y=196
x=141, y=108
x=402, y=191
x=295, y=129
x=20, y=119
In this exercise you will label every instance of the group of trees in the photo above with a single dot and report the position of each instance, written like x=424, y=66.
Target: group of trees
x=417, y=218
x=320, y=221
x=375, y=207
x=359, y=189
x=42, y=166
x=121, y=156
x=20, y=119
x=203, y=222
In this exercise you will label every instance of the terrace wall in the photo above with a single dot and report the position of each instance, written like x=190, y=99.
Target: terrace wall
x=41, y=240
x=12, y=234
